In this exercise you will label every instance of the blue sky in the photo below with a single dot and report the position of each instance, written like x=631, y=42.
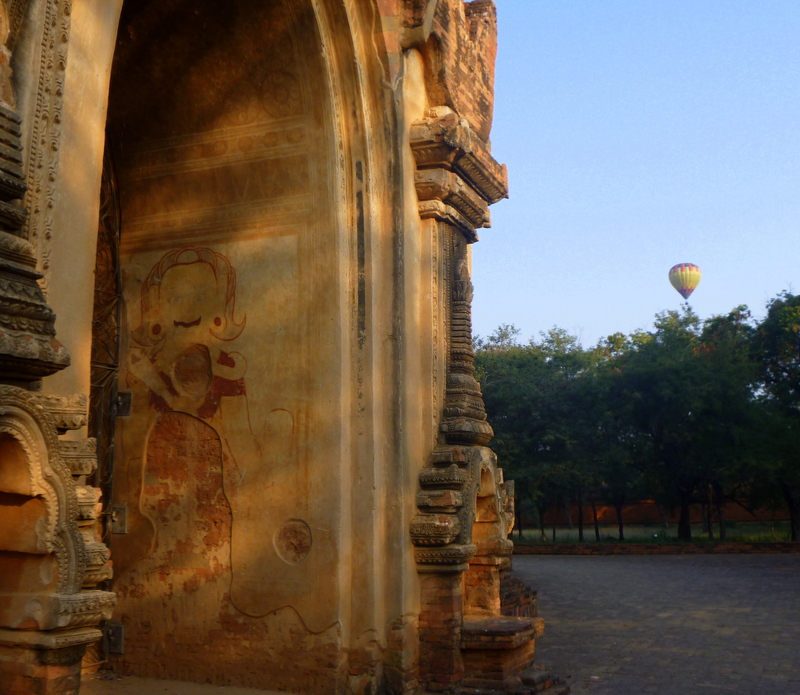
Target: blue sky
x=640, y=134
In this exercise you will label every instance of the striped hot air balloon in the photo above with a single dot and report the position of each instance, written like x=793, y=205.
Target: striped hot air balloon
x=685, y=277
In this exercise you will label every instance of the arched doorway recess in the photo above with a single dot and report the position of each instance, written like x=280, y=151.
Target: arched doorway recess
x=229, y=170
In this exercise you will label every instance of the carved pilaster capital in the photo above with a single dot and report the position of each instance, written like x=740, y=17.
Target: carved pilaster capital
x=437, y=210
x=442, y=140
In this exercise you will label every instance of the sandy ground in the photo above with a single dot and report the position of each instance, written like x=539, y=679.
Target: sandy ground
x=103, y=683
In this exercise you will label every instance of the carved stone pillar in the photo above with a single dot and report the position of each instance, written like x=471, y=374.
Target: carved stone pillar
x=465, y=512
x=51, y=557
x=28, y=346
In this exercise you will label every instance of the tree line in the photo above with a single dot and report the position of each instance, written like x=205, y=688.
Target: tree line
x=691, y=411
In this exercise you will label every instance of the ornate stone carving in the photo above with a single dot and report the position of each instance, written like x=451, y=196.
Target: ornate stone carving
x=434, y=529
x=28, y=347
x=456, y=181
x=84, y=608
x=88, y=499
x=29, y=423
x=68, y=412
x=80, y=456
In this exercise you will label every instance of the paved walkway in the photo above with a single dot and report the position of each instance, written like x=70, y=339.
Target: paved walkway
x=635, y=625
x=108, y=684
x=670, y=625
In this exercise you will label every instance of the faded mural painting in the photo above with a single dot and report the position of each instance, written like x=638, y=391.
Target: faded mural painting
x=185, y=354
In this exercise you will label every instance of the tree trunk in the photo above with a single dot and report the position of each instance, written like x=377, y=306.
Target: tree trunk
x=596, y=525
x=618, y=507
x=540, y=522
x=719, y=499
x=662, y=514
x=793, y=502
x=518, y=519
x=710, y=510
x=704, y=518
x=580, y=517
x=684, y=521
x=568, y=513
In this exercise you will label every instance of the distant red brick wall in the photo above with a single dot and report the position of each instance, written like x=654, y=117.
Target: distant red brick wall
x=656, y=548
x=646, y=512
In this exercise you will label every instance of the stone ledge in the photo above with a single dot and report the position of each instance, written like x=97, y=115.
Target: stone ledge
x=497, y=632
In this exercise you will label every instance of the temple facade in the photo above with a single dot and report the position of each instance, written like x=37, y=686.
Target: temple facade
x=240, y=437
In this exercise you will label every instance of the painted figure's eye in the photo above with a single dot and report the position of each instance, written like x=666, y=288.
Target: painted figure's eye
x=156, y=328
x=217, y=321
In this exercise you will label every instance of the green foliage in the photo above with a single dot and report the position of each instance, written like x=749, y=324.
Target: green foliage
x=776, y=343
x=691, y=410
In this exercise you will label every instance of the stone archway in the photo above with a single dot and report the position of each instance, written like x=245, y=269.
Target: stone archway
x=225, y=147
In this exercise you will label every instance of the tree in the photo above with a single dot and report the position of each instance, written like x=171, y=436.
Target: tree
x=777, y=345
x=530, y=396
x=691, y=391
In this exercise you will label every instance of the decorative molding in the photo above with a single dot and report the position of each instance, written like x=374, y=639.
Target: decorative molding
x=85, y=608
x=44, y=140
x=49, y=640
x=449, y=188
x=449, y=558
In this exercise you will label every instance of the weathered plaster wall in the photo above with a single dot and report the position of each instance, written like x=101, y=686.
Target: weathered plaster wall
x=75, y=206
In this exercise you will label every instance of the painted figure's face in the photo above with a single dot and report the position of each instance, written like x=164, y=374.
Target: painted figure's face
x=189, y=301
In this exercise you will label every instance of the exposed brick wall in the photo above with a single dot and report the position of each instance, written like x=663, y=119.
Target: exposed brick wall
x=482, y=590
x=440, y=618
x=516, y=597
